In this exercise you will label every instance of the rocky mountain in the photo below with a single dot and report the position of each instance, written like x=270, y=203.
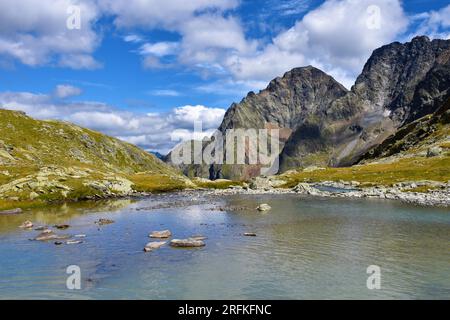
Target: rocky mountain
x=53, y=160
x=323, y=124
x=399, y=84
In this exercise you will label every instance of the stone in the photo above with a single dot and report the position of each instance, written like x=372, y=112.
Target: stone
x=187, y=243
x=62, y=226
x=12, y=211
x=250, y=234
x=264, y=207
x=102, y=222
x=47, y=235
x=154, y=245
x=33, y=195
x=26, y=225
x=434, y=152
x=161, y=234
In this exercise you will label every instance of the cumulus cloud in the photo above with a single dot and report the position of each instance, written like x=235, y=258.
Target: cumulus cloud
x=338, y=37
x=151, y=131
x=435, y=24
x=37, y=33
x=64, y=91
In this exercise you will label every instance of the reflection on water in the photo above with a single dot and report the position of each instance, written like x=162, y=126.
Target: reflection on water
x=305, y=248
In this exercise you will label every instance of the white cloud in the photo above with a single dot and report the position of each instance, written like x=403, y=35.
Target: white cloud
x=64, y=91
x=335, y=37
x=165, y=93
x=152, y=131
x=159, y=49
x=168, y=14
x=434, y=24
x=36, y=33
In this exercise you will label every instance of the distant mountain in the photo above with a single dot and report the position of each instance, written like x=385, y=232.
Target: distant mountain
x=324, y=124
x=158, y=155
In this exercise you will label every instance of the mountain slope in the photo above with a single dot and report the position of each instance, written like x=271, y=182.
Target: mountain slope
x=324, y=124
x=399, y=84
x=52, y=160
x=302, y=94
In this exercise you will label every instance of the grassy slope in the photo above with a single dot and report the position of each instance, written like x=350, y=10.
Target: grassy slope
x=28, y=145
x=409, y=162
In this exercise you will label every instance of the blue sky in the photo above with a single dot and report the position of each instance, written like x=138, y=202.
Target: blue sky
x=145, y=70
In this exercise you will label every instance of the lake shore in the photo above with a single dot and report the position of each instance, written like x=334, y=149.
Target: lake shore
x=434, y=198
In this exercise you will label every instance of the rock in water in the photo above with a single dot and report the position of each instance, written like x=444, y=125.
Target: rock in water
x=154, y=245
x=74, y=242
x=187, y=243
x=26, y=225
x=62, y=226
x=47, y=235
x=12, y=211
x=249, y=234
x=102, y=222
x=161, y=234
x=264, y=207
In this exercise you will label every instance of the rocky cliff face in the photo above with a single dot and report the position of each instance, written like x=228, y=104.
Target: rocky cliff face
x=324, y=124
x=302, y=95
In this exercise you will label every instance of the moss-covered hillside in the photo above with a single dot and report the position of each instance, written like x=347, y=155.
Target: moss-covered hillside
x=43, y=161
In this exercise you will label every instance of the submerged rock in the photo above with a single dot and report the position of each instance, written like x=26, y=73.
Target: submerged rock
x=198, y=237
x=161, y=234
x=74, y=242
x=154, y=245
x=187, y=243
x=264, y=207
x=102, y=222
x=47, y=235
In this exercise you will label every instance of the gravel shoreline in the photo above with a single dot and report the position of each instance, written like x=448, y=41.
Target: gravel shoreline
x=436, y=198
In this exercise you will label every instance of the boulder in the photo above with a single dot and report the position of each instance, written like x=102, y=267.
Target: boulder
x=26, y=225
x=434, y=152
x=264, y=207
x=187, y=243
x=161, y=234
x=154, y=245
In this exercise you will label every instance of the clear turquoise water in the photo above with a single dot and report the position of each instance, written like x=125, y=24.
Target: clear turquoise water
x=306, y=248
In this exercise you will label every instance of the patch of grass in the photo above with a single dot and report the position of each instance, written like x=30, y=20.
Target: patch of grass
x=407, y=169
x=422, y=189
x=156, y=183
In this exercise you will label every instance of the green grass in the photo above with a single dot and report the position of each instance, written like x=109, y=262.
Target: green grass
x=408, y=169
